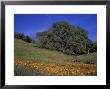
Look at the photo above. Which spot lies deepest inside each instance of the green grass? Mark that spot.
(24, 71)
(29, 51)
(92, 57)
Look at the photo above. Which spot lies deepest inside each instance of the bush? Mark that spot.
(69, 52)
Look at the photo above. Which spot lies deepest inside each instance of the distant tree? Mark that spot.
(28, 39)
(94, 47)
(66, 38)
(89, 46)
(23, 37)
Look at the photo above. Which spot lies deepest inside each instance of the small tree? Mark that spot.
(91, 46)
(28, 39)
(23, 37)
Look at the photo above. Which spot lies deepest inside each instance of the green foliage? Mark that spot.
(91, 46)
(66, 38)
(23, 37)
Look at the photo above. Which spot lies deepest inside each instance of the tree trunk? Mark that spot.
(88, 51)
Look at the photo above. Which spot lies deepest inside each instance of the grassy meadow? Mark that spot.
(32, 61)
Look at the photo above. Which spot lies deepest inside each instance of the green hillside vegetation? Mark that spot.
(61, 50)
(24, 52)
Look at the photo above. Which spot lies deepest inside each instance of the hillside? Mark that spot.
(30, 60)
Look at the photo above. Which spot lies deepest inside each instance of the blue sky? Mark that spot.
(29, 24)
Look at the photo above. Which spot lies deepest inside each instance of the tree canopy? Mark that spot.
(66, 38)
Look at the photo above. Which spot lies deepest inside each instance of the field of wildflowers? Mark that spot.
(58, 70)
(30, 61)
